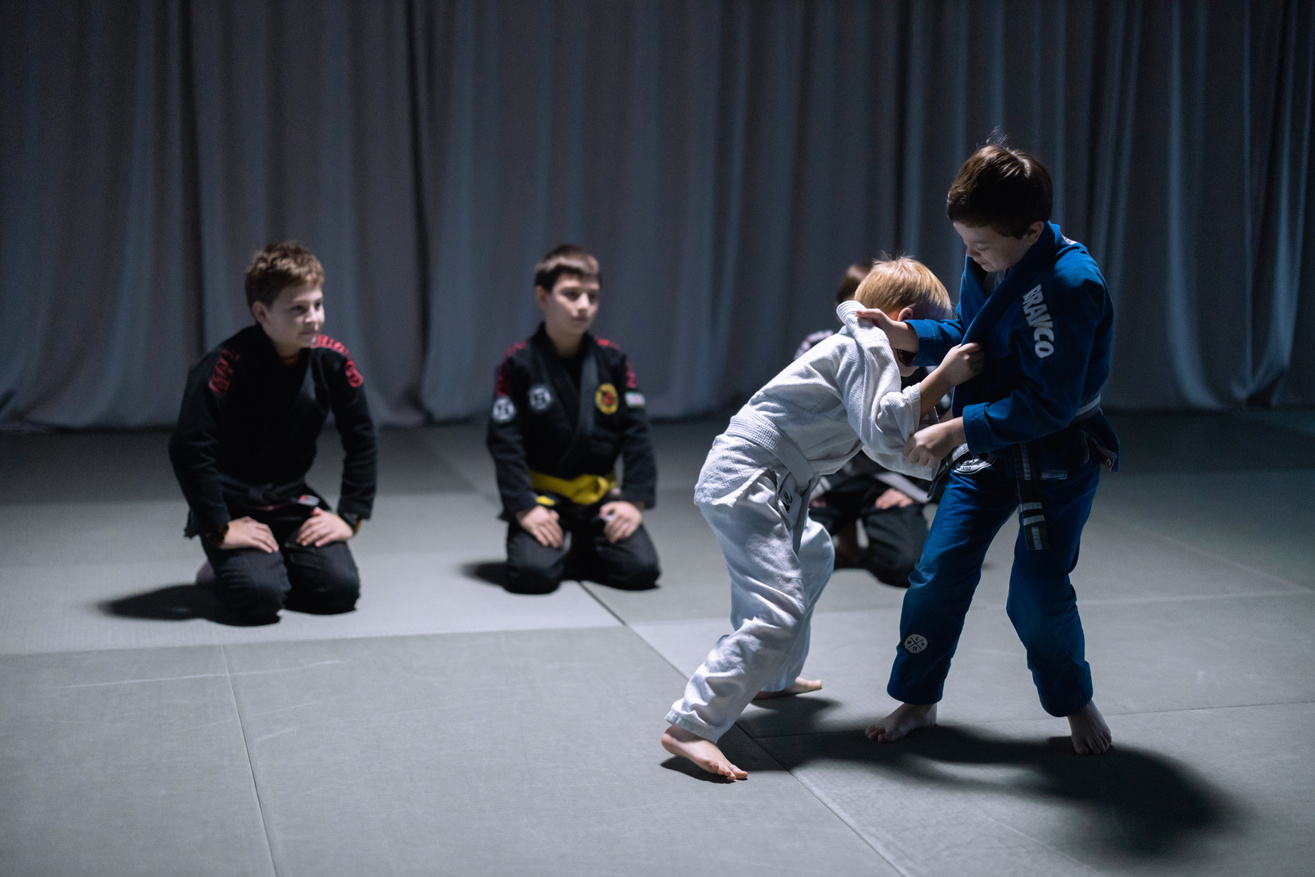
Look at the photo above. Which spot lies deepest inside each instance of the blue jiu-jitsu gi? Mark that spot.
(840, 397)
(1037, 439)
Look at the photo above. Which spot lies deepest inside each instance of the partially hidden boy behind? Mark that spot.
(566, 408)
(888, 504)
(842, 396)
(246, 437)
(1028, 436)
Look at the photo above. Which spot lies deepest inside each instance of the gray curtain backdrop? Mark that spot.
(724, 160)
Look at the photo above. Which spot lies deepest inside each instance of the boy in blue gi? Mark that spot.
(1028, 434)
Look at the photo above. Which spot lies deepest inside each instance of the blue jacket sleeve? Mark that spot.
(935, 338)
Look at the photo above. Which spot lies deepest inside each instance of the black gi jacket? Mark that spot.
(537, 422)
(247, 429)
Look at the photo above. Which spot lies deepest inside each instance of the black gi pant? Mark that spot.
(532, 568)
(258, 583)
(896, 536)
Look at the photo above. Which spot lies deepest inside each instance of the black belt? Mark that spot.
(1031, 511)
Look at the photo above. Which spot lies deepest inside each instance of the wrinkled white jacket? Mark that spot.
(840, 397)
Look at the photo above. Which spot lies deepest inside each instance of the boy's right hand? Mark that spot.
(541, 523)
(248, 533)
(963, 362)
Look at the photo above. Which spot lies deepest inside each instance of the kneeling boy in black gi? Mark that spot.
(251, 414)
(566, 406)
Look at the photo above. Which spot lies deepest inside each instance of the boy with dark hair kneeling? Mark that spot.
(1027, 435)
(246, 437)
(566, 407)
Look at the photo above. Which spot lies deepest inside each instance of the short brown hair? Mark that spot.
(280, 265)
(566, 259)
(854, 275)
(895, 284)
(1001, 188)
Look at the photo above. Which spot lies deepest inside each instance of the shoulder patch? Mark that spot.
(353, 375)
(221, 377)
(504, 410)
(635, 399)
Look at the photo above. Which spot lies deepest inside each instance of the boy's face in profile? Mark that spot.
(993, 251)
(569, 309)
(293, 319)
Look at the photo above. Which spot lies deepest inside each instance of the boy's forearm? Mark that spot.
(931, 389)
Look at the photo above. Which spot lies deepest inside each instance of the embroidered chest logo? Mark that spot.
(1038, 317)
(540, 398)
(606, 399)
(503, 410)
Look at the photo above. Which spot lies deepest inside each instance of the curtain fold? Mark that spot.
(724, 160)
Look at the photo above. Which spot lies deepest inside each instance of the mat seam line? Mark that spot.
(761, 748)
(251, 767)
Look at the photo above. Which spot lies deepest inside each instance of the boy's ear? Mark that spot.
(260, 311)
(1034, 232)
(906, 314)
(541, 295)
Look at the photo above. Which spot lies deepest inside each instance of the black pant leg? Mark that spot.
(324, 580)
(630, 563)
(252, 582)
(532, 568)
(896, 538)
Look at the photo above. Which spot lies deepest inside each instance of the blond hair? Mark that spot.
(895, 284)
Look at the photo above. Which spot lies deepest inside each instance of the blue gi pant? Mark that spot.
(1042, 603)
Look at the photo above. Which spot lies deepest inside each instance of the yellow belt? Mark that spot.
(583, 490)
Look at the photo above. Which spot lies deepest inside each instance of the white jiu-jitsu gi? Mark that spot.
(840, 397)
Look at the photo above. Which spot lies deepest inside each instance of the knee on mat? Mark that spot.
(255, 599)
(638, 577)
(529, 579)
(338, 592)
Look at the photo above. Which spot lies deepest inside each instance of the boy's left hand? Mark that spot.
(927, 446)
(622, 518)
(963, 362)
(322, 528)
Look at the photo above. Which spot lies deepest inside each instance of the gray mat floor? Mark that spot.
(448, 727)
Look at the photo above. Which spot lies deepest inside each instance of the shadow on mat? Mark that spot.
(1138, 803)
(491, 572)
(494, 572)
(175, 603)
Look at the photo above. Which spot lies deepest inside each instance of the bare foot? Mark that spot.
(906, 717)
(1091, 736)
(704, 753)
(799, 686)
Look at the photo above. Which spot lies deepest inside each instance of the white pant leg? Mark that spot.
(817, 560)
(772, 599)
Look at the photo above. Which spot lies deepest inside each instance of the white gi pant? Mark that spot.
(773, 591)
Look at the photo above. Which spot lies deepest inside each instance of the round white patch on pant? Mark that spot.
(913, 643)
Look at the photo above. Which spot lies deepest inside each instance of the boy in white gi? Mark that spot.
(841, 397)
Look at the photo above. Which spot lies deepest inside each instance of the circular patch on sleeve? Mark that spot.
(504, 410)
(540, 398)
(606, 399)
(914, 643)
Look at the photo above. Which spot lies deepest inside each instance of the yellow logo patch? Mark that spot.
(606, 399)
